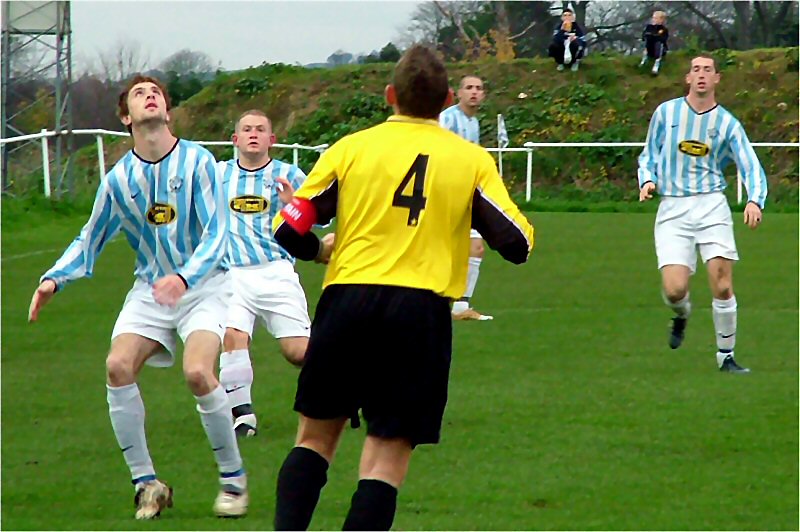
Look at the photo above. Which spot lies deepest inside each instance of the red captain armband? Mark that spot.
(300, 214)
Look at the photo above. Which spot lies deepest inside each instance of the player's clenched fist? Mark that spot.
(40, 298)
(752, 215)
(169, 289)
(646, 192)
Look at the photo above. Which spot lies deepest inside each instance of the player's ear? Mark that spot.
(126, 120)
(234, 138)
(390, 95)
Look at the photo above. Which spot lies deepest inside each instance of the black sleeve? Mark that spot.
(307, 246)
(304, 247)
(325, 203)
(499, 231)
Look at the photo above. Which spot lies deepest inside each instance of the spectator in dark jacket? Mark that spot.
(655, 37)
(568, 43)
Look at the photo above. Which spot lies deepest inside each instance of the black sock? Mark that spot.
(373, 506)
(300, 480)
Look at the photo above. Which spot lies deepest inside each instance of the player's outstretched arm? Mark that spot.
(41, 297)
(79, 258)
(497, 218)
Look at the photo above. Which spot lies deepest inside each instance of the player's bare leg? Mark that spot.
(294, 348)
(305, 471)
(236, 376)
(461, 308)
(723, 311)
(383, 468)
(199, 359)
(675, 291)
(125, 407)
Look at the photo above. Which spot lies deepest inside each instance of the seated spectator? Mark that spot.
(655, 37)
(568, 43)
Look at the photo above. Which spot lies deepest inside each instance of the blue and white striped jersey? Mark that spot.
(454, 119)
(252, 203)
(686, 152)
(171, 211)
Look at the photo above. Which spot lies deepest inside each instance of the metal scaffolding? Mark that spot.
(37, 52)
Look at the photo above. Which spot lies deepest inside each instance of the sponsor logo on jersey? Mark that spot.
(161, 214)
(249, 204)
(695, 148)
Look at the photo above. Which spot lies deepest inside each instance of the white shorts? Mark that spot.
(474, 234)
(201, 308)
(271, 292)
(684, 224)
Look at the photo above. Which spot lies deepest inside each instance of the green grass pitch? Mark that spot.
(568, 411)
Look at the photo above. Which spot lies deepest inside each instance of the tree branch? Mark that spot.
(711, 22)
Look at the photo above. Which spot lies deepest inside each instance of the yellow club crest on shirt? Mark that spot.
(249, 204)
(161, 214)
(695, 148)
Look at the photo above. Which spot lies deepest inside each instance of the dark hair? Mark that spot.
(122, 103)
(567, 10)
(420, 83)
(705, 56)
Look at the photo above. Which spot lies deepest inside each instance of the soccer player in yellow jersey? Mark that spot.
(405, 194)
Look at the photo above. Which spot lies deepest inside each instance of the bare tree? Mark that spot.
(187, 61)
(122, 60)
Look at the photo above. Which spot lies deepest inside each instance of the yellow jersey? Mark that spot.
(405, 194)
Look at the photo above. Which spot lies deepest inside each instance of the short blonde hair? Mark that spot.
(660, 14)
(253, 112)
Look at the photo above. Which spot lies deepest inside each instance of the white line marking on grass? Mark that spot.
(43, 251)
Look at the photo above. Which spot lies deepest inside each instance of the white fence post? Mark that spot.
(101, 156)
(528, 173)
(295, 154)
(46, 163)
(235, 153)
(738, 188)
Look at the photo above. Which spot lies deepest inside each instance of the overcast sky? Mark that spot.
(239, 34)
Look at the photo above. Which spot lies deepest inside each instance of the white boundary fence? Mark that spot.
(528, 148)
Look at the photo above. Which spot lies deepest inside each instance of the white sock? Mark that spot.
(236, 376)
(473, 271)
(681, 308)
(215, 413)
(460, 306)
(126, 409)
(723, 312)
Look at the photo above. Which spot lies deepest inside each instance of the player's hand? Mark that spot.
(168, 290)
(752, 215)
(327, 248)
(285, 190)
(41, 296)
(646, 192)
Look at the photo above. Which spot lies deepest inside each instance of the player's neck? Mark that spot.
(467, 110)
(153, 144)
(257, 162)
(701, 103)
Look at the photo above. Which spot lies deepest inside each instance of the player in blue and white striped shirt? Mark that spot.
(689, 143)
(262, 279)
(165, 196)
(461, 120)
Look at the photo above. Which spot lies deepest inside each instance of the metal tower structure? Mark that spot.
(37, 46)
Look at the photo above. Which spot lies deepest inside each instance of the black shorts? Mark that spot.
(384, 350)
